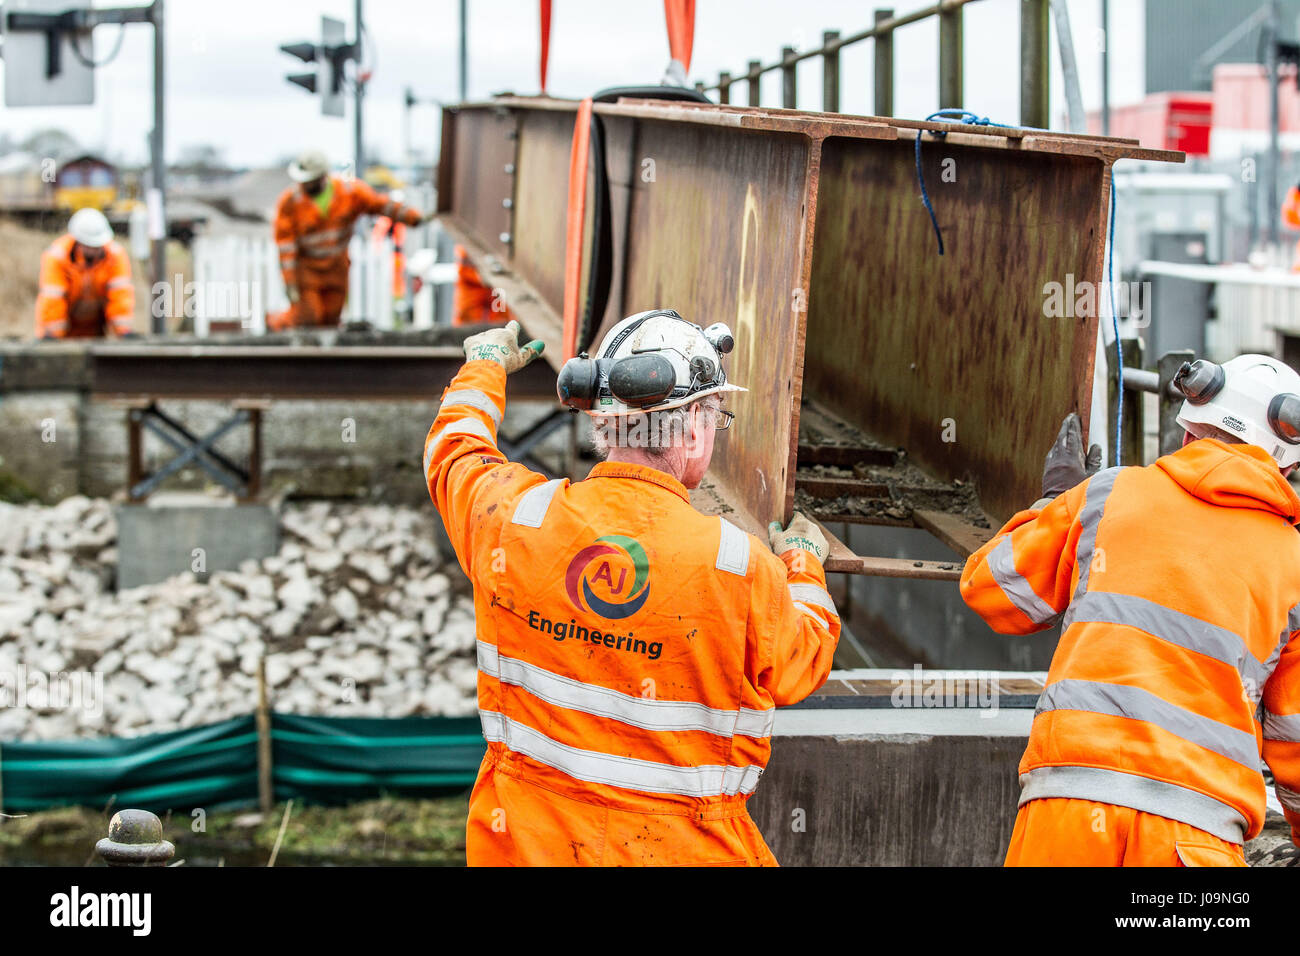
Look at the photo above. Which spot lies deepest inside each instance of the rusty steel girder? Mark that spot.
(805, 232)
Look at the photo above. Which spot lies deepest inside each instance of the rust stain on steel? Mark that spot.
(805, 233)
(541, 201)
(482, 146)
(911, 339)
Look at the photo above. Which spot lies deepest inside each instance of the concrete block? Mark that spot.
(886, 787)
(40, 442)
(177, 532)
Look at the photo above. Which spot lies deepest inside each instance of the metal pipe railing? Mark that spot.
(1034, 60)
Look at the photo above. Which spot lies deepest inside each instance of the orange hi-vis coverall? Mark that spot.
(1178, 589)
(474, 303)
(1291, 216)
(631, 652)
(80, 300)
(313, 247)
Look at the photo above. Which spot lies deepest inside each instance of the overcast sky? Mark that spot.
(226, 87)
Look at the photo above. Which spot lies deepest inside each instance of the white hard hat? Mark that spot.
(310, 164)
(651, 361)
(90, 228)
(397, 196)
(1255, 397)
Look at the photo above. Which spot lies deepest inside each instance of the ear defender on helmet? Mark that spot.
(637, 380)
(578, 383)
(642, 380)
(1284, 417)
(1199, 381)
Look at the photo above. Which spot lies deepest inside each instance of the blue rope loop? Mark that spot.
(963, 116)
(974, 119)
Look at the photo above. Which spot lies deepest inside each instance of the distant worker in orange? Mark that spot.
(388, 228)
(313, 225)
(473, 302)
(85, 282)
(1291, 216)
(1177, 586)
(631, 650)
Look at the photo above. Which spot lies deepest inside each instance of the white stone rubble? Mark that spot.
(357, 615)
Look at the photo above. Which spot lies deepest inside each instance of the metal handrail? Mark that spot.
(1035, 58)
(834, 46)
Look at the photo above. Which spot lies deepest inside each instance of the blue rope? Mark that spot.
(965, 116)
(925, 197)
(1114, 319)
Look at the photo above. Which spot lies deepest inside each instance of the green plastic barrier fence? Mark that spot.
(318, 759)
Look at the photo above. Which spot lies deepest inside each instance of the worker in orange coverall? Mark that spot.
(85, 288)
(313, 225)
(631, 650)
(1291, 216)
(1177, 586)
(474, 303)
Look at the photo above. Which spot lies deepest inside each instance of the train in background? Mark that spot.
(41, 193)
(32, 185)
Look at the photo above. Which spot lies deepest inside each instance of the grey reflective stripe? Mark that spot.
(325, 235)
(287, 246)
(1121, 700)
(474, 399)
(121, 282)
(53, 291)
(1140, 793)
(611, 770)
(1282, 727)
(812, 594)
(733, 548)
(1094, 504)
(325, 252)
(1292, 625)
(658, 715)
(462, 426)
(1288, 798)
(1175, 627)
(1021, 594)
(533, 504)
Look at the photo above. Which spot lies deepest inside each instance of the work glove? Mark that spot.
(413, 217)
(1066, 465)
(502, 346)
(801, 534)
(292, 292)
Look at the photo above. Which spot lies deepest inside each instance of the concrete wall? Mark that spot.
(891, 787)
(333, 449)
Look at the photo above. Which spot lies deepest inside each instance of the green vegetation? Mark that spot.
(14, 490)
(384, 832)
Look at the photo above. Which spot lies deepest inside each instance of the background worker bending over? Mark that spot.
(313, 225)
(85, 283)
(1178, 589)
(631, 650)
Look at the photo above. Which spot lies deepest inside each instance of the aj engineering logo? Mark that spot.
(612, 556)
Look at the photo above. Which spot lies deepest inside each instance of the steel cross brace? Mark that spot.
(191, 448)
(520, 449)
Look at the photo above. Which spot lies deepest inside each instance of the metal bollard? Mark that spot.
(135, 839)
